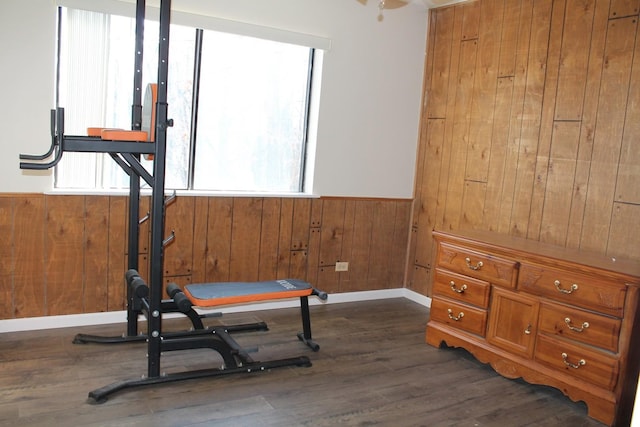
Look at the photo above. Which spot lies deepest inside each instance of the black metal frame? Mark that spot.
(142, 299)
(235, 358)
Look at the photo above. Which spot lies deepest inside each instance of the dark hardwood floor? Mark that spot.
(373, 368)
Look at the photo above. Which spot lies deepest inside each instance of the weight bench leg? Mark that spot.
(305, 335)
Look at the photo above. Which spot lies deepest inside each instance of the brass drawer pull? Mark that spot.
(478, 265)
(452, 317)
(585, 325)
(452, 284)
(581, 362)
(574, 287)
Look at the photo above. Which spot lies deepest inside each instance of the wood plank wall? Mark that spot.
(531, 126)
(68, 254)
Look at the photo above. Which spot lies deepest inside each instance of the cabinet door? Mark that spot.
(513, 321)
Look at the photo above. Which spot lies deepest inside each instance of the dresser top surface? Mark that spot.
(506, 244)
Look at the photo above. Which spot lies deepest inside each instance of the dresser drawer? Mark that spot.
(580, 362)
(461, 288)
(592, 292)
(579, 325)
(459, 316)
(478, 265)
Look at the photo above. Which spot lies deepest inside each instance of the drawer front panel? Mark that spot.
(461, 288)
(579, 325)
(595, 293)
(459, 316)
(580, 362)
(478, 265)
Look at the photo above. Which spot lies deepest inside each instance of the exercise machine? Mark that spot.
(146, 299)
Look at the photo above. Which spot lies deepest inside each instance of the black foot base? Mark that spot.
(309, 342)
(97, 339)
(101, 395)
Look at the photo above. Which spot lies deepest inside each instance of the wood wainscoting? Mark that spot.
(67, 254)
(530, 126)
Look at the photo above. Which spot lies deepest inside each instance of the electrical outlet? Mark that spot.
(342, 266)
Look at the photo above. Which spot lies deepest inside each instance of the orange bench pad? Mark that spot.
(224, 293)
(98, 131)
(124, 135)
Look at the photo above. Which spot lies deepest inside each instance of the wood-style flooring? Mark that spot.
(373, 368)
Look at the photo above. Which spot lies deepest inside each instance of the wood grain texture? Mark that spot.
(499, 154)
(428, 196)
(96, 249)
(7, 210)
(401, 235)
(460, 133)
(454, 55)
(531, 117)
(332, 233)
(607, 140)
(509, 86)
(68, 254)
(373, 368)
(284, 238)
(560, 180)
(541, 169)
(588, 123)
(219, 239)
(574, 59)
(623, 8)
(516, 114)
(540, 128)
(627, 188)
(509, 38)
(179, 221)
(117, 249)
(269, 231)
(441, 30)
(517, 343)
(200, 233)
(484, 90)
(245, 239)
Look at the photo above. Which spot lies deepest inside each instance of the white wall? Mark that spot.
(27, 45)
(369, 107)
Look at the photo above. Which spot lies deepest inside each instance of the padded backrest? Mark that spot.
(149, 111)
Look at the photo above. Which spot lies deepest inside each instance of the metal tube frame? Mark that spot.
(127, 156)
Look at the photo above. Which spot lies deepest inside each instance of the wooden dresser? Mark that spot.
(550, 315)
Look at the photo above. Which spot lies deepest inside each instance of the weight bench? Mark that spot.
(225, 293)
(218, 338)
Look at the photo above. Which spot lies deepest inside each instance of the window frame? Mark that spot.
(303, 183)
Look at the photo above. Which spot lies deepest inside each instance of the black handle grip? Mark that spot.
(320, 294)
(182, 302)
(35, 166)
(130, 274)
(172, 289)
(179, 298)
(42, 166)
(139, 287)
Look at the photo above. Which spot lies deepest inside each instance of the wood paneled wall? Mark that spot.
(531, 126)
(68, 254)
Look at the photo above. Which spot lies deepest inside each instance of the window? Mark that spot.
(239, 104)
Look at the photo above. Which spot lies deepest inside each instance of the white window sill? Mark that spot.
(198, 193)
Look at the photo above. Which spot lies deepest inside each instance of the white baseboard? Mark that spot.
(416, 297)
(90, 319)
